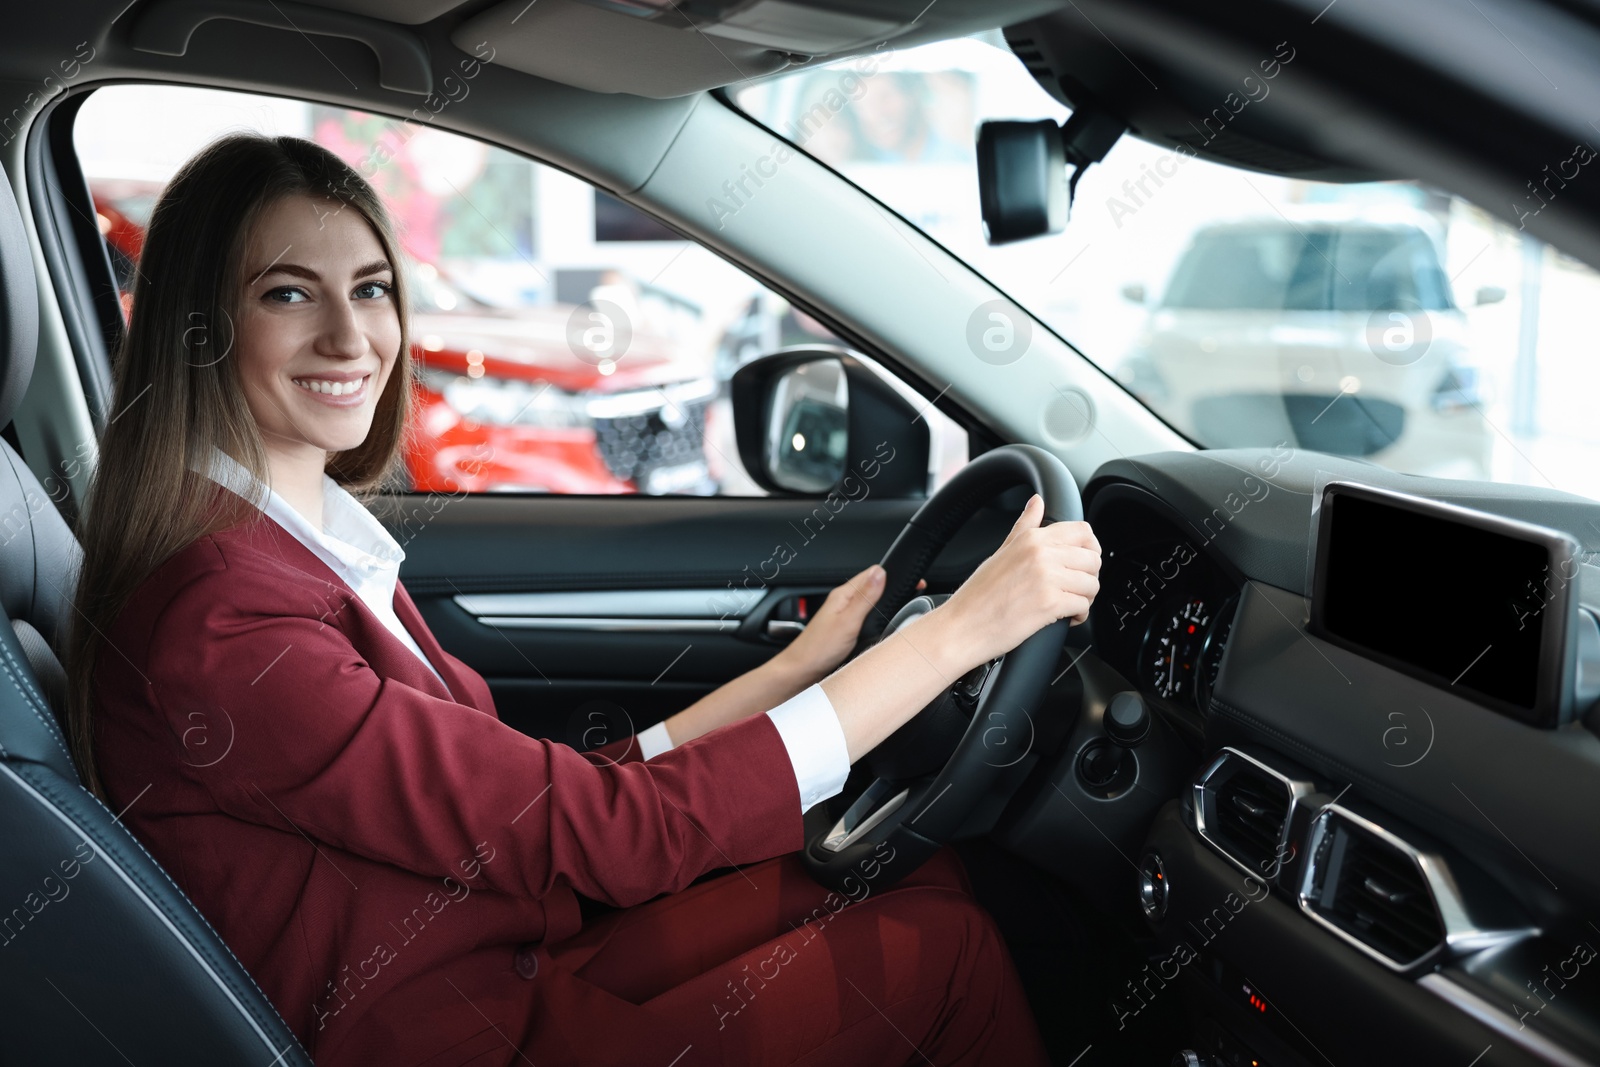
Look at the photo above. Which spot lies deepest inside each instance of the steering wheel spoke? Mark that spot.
(933, 772)
(875, 804)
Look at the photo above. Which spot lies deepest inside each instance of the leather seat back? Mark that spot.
(102, 957)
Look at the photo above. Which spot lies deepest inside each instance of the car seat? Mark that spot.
(103, 960)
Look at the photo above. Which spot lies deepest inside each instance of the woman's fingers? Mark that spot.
(1078, 558)
(1038, 575)
(1073, 533)
(1079, 584)
(858, 594)
(1032, 514)
(1066, 571)
(836, 626)
(868, 586)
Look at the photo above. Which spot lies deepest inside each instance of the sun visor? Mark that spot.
(666, 48)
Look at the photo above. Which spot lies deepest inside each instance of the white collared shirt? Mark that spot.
(356, 547)
(353, 543)
(811, 734)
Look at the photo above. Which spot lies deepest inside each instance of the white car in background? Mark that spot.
(1331, 332)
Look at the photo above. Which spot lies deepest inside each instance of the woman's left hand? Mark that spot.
(827, 639)
(831, 633)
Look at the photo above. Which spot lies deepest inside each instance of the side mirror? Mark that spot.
(1490, 294)
(1134, 292)
(808, 433)
(813, 419)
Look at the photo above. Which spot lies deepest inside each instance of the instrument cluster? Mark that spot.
(1182, 650)
(1165, 605)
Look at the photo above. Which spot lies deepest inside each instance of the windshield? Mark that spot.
(1385, 320)
(1279, 268)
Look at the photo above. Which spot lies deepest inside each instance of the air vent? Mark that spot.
(1369, 885)
(1242, 809)
(1252, 809)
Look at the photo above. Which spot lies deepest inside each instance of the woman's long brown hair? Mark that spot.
(177, 391)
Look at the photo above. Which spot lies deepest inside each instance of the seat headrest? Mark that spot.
(19, 305)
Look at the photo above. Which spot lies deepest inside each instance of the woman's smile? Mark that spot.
(320, 334)
(341, 390)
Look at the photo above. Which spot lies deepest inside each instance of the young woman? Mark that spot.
(255, 693)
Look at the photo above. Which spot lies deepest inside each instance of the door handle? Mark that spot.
(784, 613)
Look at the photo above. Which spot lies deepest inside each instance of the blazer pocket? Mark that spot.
(473, 1050)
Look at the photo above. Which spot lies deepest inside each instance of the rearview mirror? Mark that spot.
(1133, 292)
(1022, 181)
(1023, 184)
(1490, 294)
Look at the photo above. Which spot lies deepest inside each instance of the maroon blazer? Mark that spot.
(378, 851)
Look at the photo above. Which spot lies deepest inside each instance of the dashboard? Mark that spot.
(1166, 603)
(1387, 842)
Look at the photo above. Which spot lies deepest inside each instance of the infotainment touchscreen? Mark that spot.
(1472, 602)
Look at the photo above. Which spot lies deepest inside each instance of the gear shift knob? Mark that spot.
(1127, 720)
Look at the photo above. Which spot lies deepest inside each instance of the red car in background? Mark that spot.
(507, 398)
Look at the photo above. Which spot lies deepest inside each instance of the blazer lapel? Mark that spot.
(420, 632)
(289, 549)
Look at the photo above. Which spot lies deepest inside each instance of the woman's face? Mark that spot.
(319, 331)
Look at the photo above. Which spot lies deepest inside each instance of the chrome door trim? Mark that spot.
(615, 610)
(632, 625)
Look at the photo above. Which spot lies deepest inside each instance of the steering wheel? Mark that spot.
(933, 771)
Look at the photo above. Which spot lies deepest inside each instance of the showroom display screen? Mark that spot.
(1466, 600)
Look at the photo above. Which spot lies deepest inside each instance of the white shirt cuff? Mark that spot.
(653, 741)
(815, 742)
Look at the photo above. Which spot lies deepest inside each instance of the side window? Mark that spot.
(565, 342)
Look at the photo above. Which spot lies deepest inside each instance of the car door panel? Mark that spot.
(637, 603)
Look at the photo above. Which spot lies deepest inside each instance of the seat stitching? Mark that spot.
(32, 691)
(111, 845)
(35, 701)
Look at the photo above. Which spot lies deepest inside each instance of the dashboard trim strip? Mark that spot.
(1481, 1011)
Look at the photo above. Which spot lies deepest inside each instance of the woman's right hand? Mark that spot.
(1038, 575)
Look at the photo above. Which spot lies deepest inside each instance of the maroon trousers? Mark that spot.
(763, 966)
